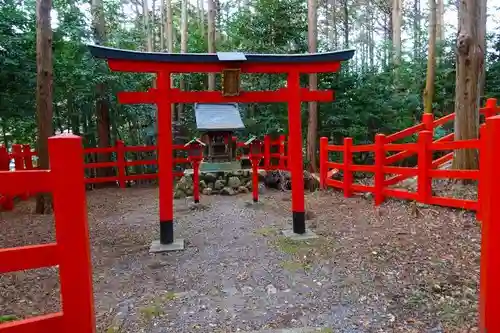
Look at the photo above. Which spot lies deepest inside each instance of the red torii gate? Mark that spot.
(228, 63)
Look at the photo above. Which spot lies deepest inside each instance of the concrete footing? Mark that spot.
(157, 247)
(299, 237)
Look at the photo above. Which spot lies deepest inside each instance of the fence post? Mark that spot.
(28, 157)
(482, 164)
(267, 151)
(282, 152)
(424, 166)
(323, 160)
(8, 203)
(490, 107)
(379, 168)
(17, 151)
(120, 163)
(428, 120)
(4, 159)
(72, 235)
(347, 167)
(489, 288)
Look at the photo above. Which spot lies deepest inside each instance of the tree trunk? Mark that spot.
(170, 41)
(371, 41)
(431, 60)
(162, 25)
(169, 27)
(102, 102)
(152, 26)
(147, 29)
(470, 62)
(440, 21)
(201, 18)
(211, 40)
(312, 125)
(332, 32)
(184, 44)
(396, 31)
(416, 29)
(482, 44)
(44, 93)
(345, 8)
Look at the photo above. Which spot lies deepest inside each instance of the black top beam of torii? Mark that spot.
(227, 63)
(311, 58)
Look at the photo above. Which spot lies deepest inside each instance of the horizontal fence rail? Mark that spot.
(387, 153)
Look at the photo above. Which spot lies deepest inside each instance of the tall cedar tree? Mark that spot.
(312, 125)
(431, 60)
(43, 92)
(470, 62)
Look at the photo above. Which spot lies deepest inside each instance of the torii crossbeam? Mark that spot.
(164, 64)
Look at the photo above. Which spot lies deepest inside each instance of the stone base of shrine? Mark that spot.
(221, 182)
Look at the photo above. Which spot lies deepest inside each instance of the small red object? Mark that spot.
(195, 152)
(255, 157)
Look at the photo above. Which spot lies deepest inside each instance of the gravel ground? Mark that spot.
(396, 268)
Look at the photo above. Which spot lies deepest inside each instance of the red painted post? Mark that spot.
(428, 120)
(196, 181)
(489, 294)
(323, 159)
(195, 157)
(267, 152)
(491, 107)
(4, 159)
(282, 152)
(8, 202)
(379, 169)
(120, 163)
(295, 161)
(165, 159)
(17, 151)
(347, 167)
(482, 164)
(28, 157)
(72, 234)
(424, 166)
(255, 155)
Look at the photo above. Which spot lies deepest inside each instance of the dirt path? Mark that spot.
(372, 270)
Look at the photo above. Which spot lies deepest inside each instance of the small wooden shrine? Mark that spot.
(218, 122)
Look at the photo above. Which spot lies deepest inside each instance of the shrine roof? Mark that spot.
(218, 117)
(120, 54)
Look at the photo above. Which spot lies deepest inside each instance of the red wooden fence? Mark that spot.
(70, 251)
(387, 153)
(23, 160)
